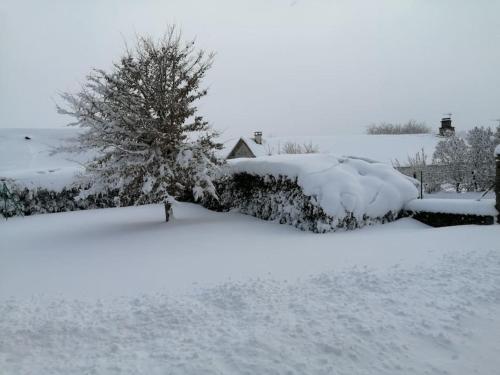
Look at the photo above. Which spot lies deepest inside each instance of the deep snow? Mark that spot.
(118, 291)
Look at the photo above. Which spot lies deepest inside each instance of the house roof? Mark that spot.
(383, 148)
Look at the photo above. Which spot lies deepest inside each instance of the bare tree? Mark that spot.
(410, 127)
(296, 148)
(453, 153)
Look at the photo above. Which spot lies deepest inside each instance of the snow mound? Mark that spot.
(341, 185)
(485, 207)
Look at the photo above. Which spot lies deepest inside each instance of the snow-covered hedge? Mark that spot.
(40, 200)
(316, 192)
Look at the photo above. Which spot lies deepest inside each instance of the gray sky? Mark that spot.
(287, 67)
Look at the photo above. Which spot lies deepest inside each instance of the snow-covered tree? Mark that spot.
(482, 145)
(142, 119)
(453, 153)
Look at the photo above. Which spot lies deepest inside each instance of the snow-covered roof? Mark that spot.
(340, 185)
(383, 148)
(26, 156)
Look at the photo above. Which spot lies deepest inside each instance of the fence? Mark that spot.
(460, 177)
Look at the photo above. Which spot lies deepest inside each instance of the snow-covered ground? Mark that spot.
(118, 291)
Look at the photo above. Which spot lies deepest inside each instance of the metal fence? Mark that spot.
(463, 177)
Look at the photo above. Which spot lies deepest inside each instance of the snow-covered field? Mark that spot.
(118, 291)
(32, 162)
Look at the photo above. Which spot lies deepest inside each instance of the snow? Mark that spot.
(120, 291)
(485, 207)
(30, 162)
(340, 185)
(383, 148)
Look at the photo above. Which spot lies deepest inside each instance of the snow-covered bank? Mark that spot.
(120, 291)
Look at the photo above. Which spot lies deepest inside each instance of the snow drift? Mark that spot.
(318, 192)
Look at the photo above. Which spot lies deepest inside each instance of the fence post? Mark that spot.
(497, 182)
(421, 184)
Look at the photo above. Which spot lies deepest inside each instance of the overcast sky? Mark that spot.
(286, 67)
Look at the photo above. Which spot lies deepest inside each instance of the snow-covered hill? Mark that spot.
(26, 155)
(31, 162)
(119, 291)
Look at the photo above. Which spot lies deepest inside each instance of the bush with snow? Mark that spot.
(317, 192)
(24, 200)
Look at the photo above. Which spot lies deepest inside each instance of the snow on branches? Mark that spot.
(142, 119)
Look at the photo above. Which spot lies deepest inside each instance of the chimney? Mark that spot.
(446, 130)
(257, 136)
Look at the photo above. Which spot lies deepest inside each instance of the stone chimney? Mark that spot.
(257, 136)
(446, 130)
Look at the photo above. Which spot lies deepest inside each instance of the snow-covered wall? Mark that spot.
(484, 207)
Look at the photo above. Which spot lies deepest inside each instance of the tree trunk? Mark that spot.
(168, 210)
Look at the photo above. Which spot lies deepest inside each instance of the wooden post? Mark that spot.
(497, 184)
